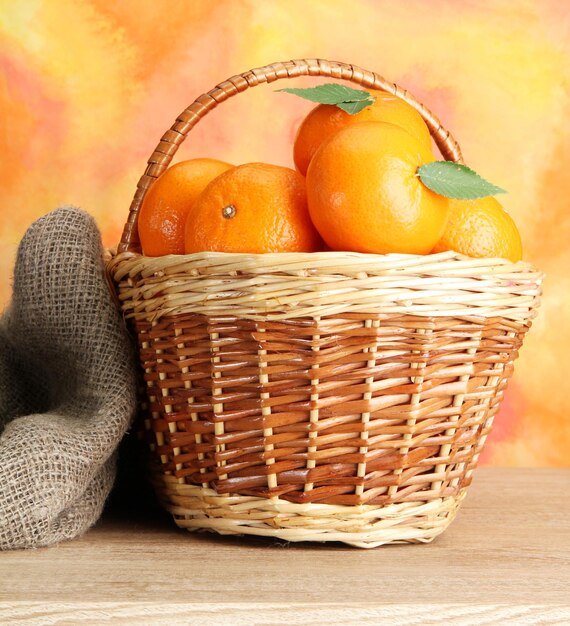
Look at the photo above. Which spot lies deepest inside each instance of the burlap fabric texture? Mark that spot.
(67, 384)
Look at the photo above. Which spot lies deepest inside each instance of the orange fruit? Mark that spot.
(365, 196)
(481, 228)
(254, 208)
(162, 216)
(326, 119)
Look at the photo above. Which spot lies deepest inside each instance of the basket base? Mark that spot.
(198, 508)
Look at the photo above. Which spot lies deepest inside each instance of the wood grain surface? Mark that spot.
(504, 560)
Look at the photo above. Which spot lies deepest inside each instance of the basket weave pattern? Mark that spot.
(344, 410)
(335, 379)
(331, 396)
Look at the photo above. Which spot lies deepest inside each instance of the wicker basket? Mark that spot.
(327, 396)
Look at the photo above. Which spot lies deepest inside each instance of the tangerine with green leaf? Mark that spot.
(365, 195)
(326, 119)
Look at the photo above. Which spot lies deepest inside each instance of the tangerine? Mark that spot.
(481, 228)
(162, 215)
(364, 194)
(256, 208)
(326, 119)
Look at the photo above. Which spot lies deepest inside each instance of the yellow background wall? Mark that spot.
(87, 87)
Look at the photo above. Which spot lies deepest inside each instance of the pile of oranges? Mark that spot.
(355, 188)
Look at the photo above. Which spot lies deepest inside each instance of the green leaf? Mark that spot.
(354, 107)
(350, 100)
(454, 180)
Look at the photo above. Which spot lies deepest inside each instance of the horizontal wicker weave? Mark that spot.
(326, 396)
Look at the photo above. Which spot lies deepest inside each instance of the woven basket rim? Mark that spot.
(115, 259)
(285, 285)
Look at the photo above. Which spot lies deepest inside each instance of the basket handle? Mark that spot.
(171, 140)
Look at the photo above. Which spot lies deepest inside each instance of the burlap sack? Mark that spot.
(67, 387)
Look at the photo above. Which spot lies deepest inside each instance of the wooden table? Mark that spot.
(504, 560)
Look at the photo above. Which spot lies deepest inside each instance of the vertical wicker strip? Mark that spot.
(327, 396)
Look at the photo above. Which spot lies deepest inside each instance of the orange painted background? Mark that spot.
(87, 88)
